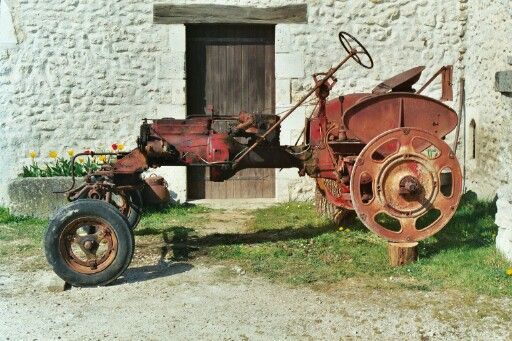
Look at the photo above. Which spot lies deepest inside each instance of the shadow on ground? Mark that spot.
(182, 241)
(471, 227)
(149, 272)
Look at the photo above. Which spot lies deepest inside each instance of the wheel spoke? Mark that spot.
(408, 226)
(100, 235)
(443, 161)
(441, 202)
(406, 143)
(75, 239)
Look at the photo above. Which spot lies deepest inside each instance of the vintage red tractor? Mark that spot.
(381, 154)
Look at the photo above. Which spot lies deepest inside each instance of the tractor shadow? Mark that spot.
(182, 243)
(149, 272)
(471, 227)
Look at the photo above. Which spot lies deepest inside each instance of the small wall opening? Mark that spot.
(472, 139)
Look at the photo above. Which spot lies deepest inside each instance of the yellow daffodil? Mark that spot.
(53, 154)
(509, 271)
(32, 154)
(71, 152)
(120, 146)
(102, 158)
(81, 159)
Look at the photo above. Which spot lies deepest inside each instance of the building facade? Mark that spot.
(82, 74)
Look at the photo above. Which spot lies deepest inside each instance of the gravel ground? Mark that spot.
(194, 301)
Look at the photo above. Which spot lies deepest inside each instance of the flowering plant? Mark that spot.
(61, 166)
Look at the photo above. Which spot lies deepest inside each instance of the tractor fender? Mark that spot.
(374, 115)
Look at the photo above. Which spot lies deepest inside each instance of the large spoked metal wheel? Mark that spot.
(406, 185)
(89, 243)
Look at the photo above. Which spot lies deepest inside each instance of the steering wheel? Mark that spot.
(346, 39)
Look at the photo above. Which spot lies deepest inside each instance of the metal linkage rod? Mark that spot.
(328, 75)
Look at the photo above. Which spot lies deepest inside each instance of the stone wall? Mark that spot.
(84, 73)
(489, 113)
(504, 221)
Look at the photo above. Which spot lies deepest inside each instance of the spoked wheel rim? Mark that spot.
(405, 184)
(88, 245)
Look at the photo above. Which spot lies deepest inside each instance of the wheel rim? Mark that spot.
(88, 245)
(118, 199)
(121, 201)
(405, 184)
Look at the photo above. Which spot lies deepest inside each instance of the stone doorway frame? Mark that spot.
(289, 65)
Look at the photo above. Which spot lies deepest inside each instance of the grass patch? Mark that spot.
(289, 242)
(293, 244)
(158, 221)
(19, 236)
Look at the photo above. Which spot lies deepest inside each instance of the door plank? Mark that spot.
(237, 73)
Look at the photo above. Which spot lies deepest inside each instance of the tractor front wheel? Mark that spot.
(89, 243)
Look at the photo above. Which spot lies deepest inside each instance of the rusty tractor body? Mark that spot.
(379, 153)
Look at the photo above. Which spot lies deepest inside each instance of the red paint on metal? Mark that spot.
(377, 114)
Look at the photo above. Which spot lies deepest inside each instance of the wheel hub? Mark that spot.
(409, 185)
(406, 184)
(88, 245)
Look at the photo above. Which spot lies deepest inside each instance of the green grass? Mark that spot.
(22, 237)
(19, 236)
(290, 243)
(158, 221)
(293, 245)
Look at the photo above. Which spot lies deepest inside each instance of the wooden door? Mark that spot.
(232, 68)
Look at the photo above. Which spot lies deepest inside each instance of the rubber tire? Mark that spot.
(78, 209)
(135, 212)
(325, 208)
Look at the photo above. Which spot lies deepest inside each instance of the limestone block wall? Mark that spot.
(489, 113)
(504, 221)
(84, 74)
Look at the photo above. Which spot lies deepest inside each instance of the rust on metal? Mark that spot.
(336, 192)
(405, 185)
(402, 82)
(88, 245)
(446, 73)
(374, 142)
(395, 110)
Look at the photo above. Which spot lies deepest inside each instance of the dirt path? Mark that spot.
(193, 301)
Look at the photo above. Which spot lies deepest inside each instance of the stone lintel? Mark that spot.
(225, 14)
